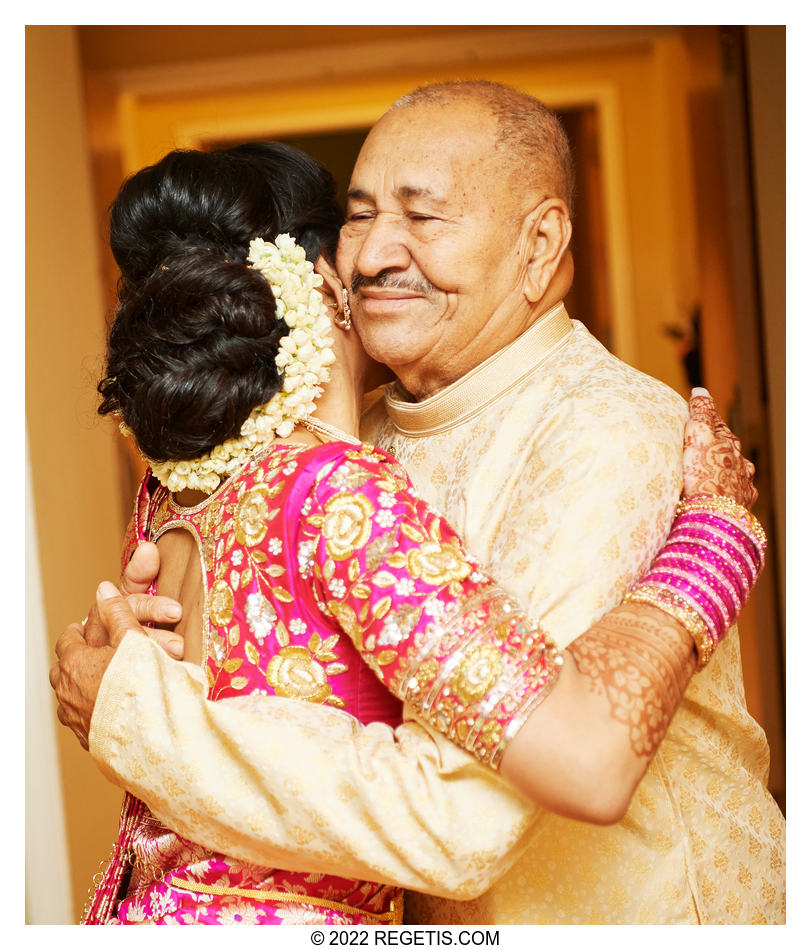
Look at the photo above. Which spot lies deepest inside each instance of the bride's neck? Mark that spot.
(342, 400)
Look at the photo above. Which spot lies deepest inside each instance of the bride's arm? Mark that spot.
(579, 729)
(585, 749)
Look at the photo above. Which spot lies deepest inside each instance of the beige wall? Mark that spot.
(48, 890)
(74, 470)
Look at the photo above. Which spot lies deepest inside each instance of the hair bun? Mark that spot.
(191, 353)
(172, 207)
(196, 291)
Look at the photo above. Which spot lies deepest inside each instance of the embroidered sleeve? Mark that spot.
(436, 630)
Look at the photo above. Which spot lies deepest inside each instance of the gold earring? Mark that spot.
(344, 321)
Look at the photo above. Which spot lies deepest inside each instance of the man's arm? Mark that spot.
(277, 782)
(240, 776)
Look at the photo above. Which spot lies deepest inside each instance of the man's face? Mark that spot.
(431, 251)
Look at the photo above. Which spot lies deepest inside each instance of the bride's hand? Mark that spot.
(713, 463)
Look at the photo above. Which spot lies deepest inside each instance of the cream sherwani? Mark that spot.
(561, 467)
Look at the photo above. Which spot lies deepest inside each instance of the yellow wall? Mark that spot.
(73, 462)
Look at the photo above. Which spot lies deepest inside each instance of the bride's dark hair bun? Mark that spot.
(193, 345)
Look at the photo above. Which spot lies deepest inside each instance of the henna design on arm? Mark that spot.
(641, 661)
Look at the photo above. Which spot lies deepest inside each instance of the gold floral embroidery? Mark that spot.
(296, 673)
(348, 620)
(251, 516)
(478, 671)
(221, 606)
(437, 562)
(347, 524)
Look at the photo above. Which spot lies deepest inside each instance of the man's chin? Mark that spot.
(391, 350)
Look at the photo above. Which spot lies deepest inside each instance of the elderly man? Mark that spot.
(561, 468)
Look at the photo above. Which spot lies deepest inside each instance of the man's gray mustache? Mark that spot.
(391, 282)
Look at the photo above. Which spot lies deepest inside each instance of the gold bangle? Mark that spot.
(721, 504)
(683, 613)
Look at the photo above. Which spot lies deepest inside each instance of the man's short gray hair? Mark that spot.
(530, 135)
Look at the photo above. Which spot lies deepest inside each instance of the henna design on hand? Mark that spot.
(713, 463)
(641, 660)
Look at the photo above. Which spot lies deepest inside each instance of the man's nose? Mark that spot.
(384, 247)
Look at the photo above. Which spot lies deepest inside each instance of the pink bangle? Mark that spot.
(724, 529)
(704, 573)
(711, 558)
(721, 544)
(725, 512)
(693, 588)
(718, 581)
(729, 509)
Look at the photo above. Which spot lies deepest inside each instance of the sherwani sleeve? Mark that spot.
(283, 783)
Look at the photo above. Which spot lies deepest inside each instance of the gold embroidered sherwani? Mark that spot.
(560, 467)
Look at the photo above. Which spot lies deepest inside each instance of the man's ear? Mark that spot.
(332, 283)
(549, 230)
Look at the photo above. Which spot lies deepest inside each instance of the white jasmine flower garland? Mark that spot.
(304, 357)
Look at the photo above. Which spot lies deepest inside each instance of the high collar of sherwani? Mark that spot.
(478, 388)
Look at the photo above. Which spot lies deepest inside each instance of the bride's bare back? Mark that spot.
(181, 577)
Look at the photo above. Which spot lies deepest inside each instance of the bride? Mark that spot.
(306, 566)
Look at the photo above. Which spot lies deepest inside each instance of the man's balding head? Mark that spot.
(529, 137)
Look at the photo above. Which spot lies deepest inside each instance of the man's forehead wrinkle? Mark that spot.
(358, 194)
(420, 191)
(404, 193)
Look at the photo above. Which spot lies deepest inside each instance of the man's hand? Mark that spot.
(84, 651)
(713, 463)
(77, 676)
(135, 582)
